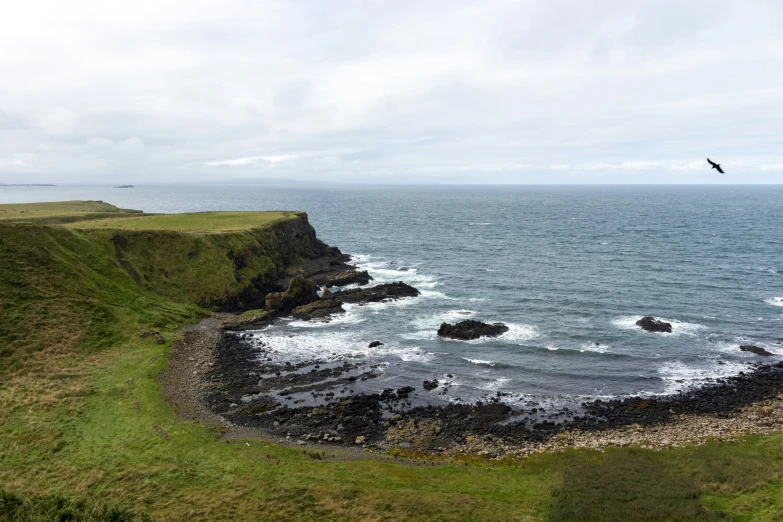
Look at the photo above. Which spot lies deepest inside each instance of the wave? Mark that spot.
(480, 224)
(479, 361)
(678, 327)
(733, 347)
(774, 301)
(594, 347)
(679, 376)
(383, 271)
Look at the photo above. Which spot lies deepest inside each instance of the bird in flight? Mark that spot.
(715, 166)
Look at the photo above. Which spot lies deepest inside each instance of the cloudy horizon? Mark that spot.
(391, 92)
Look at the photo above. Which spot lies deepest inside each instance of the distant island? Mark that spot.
(124, 186)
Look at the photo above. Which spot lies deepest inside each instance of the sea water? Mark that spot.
(569, 269)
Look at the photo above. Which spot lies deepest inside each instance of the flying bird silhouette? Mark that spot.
(715, 166)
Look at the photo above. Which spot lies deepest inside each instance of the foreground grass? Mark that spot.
(117, 441)
(198, 222)
(82, 416)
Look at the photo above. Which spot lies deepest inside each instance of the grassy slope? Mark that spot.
(61, 211)
(81, 412)
(199, 222)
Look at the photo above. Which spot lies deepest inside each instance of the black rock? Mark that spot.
(385, 292)
(431, 385)
(349, 277)
(758, 350)
(375, 344)
(470, 329)
(651, 324)
(320, 309)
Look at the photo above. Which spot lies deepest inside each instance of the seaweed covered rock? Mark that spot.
(758, 350)
(651, 324)
(385, 292)
(470, 329)
(349, 277)
(301, 291)
(318, 309)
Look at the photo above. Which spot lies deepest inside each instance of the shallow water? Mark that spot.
(569, 269)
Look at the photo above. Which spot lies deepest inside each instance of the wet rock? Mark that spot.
(385, 292)
(301, 291)
(349, 277)
(470, 329)
(375, 344)
(430, 385)
(651, 324)
(758, 350)
(318, 309)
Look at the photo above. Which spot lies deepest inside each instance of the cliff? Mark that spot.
(65, 289)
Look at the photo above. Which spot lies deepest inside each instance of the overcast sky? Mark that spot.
(384, 92)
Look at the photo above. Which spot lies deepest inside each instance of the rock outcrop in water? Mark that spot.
(470, 329)
(375, 294)
(349, 277)
(318, 309)
(758, 350)
(301, 291)
(651, 324)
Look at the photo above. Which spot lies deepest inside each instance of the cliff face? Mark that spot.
(226, 271)
(64, 289)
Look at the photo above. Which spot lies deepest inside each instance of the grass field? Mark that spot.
(197, 222)
(82, 417)
(60, 208)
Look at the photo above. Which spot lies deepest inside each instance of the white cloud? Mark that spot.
(15, 161)
(441, 91)
(252, 160)
(59, 121)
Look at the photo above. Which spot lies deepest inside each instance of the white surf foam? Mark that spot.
(479, 361)
(384, 272)
(304, 347)
(678, 327)
(480, 224)
(774, 301)
(733, 348)
(593, 347)
(679, 376)
(494, 384)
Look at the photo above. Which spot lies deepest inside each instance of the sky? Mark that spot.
(543, 91)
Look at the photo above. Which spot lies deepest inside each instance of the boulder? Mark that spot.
(318, 309)
(758, 350)
(375, 344)
(300, 291)
(349, 277)
(385, 292)
(470, 329)
(274, 301)
(651, 324)
(430, 385)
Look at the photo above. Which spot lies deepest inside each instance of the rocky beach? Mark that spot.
(232, 380)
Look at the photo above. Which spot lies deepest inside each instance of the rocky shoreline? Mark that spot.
(236, 383)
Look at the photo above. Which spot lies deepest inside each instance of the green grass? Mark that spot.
(82, 415)
(60, 208)
(197, 222)
(61, 212)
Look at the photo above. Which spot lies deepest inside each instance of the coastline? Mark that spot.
(204, 375)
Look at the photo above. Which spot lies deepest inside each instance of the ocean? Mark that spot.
(568, 268)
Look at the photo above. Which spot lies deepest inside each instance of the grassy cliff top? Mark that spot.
(198, 222)
(59, 209)
(100, 215)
